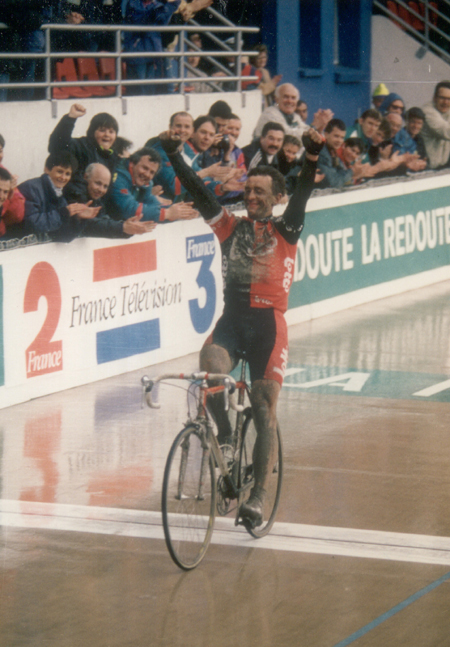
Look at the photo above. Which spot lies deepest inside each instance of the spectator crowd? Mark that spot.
(94, 186)
(21, 33)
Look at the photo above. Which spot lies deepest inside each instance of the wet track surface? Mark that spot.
(361, 551)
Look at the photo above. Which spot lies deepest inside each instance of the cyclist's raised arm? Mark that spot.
(294, 215)
(203, 199)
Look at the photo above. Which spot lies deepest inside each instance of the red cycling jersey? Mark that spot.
(258, 261)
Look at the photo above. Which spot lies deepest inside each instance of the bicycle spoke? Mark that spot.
(188, 499)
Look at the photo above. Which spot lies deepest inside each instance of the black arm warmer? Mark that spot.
(291, 223)
(204, 200)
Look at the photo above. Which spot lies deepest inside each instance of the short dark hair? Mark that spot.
(220, 109)
(204, 119)
(102, 120)
(271, 125)
(300, 102)
(121, 145)
(372, 113)
(415, 113)
(2, 141)
(61, 158)
(5, 175)
(145, 152)
(181, 113)
(442, 84)
(334, 123)
(291, 139)
(355, 141)
(385, 128)
(233, 116)
(278, 183)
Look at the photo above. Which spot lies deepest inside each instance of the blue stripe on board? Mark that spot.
(127, 341)
(385, 616)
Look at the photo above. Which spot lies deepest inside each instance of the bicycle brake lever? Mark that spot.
(226, 393)
(147, 386)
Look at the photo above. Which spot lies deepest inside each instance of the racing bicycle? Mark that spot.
(202, 478)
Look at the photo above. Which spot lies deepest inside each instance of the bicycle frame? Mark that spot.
(203, 423)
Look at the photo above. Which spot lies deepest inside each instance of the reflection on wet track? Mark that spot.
(363, 524)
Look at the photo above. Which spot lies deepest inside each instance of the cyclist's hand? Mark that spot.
(171, 142)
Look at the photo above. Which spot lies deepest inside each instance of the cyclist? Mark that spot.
(258, 260)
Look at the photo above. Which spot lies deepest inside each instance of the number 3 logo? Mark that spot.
(44, 355)
(202, 248)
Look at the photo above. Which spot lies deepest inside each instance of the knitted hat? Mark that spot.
(380, 91)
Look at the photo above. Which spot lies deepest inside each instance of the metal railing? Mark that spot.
(430, 30)
(186, 49)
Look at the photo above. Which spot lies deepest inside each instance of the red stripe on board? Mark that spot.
(124, 260)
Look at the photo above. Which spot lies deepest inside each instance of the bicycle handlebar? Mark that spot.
(229, 386)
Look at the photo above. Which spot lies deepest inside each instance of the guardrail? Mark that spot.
(186, 49)
(406, 16)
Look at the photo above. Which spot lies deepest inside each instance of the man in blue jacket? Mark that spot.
(46, 209)
(217, 179)
(132, 191)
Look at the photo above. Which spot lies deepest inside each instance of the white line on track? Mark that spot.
(292, 537)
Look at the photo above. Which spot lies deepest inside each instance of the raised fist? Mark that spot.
(77, 110)
(313, 141)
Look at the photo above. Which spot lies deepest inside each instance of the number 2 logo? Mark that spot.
(44, 355)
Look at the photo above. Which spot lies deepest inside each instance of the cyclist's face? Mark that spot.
(258, 197)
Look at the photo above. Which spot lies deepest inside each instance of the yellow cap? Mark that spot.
(380, 91)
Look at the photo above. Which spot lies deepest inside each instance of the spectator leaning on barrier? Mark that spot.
(96, 146)
(205, 130)
(415, 120)
(234, 158)
(401, 141)
(97, 179)
(181, 124)
(436, 129)
(288, 163)
(365, 127)
(329, 163)
(404, 145)
(46, 209)
(392, 103)
(264, 151)
(302, 110)
(12, 205)
(132, 191)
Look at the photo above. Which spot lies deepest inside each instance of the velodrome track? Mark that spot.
(361, 551)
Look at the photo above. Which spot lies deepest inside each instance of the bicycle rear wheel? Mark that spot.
(246, 476)
(188, 498)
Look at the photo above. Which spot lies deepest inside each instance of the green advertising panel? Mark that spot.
(346, 248)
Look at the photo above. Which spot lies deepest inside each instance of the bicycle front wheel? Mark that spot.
(246, 475)
(188, 498)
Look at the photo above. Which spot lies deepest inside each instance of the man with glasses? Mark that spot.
(436, 129)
